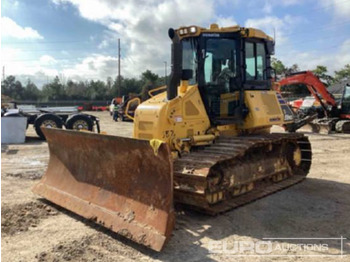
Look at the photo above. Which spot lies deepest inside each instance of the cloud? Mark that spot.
(10, 5)
(267, 6)
(39, 78)
(309, 60)
(103, 44)
(340, 8)
(8, 54)
(274, 25)
(291, 53)
(226, 21)
(47, 60)
(17, 62)
(9, 28)
(143, 27)
(93, 67)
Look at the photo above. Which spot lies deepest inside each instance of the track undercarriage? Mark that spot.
(235, 171)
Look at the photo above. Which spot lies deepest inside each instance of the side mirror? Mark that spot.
(270, 46)
(171, 33)
(187, 74)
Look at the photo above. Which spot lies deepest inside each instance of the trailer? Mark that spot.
(53, 117)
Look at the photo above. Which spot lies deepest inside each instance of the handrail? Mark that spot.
(128, 105)
(155, 89)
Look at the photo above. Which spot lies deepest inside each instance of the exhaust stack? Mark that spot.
(176, 64)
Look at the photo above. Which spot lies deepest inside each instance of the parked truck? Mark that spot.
(52, 117)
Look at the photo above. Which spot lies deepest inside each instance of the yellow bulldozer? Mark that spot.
(204, 142)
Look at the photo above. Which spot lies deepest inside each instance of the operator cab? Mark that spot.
(345, 103)
(224, 63)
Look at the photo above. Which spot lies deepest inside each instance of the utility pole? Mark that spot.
(3, 73)
(165, 76)
(119, 77)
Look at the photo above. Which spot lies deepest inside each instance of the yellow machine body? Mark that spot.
(183, 122)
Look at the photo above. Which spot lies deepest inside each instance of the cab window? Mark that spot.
(250, 61)
(260, 61)
(255, 59)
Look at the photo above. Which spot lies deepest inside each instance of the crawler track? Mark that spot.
(236, 171)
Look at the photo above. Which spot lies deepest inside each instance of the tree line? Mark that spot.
(320, 71)
(56, 90)
(105, 90)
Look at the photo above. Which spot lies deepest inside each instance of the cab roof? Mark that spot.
(246, 32)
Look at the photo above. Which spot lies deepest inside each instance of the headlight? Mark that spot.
(193, 29)
(185, 31)
(181, 31)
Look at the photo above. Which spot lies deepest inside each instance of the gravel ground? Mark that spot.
(36, 230)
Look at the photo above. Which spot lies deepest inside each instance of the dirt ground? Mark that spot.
(36, 230)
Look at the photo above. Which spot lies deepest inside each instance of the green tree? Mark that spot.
(31, 91)
(131, 86)
(115, 86)
(149, 76)
(321, 72)
(144, 92)
(97, 90)
(76, 90)
(161, 81)
(54, 90)
(12, 88)
(109, 85)
(293, 69)
(343, 74)
(7, 84)
(279, 67)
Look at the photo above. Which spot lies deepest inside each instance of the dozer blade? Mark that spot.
(118, 182)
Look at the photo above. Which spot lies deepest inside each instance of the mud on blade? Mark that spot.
(118, 182)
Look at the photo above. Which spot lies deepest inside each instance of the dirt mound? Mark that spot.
(97, 247)
(19, 218)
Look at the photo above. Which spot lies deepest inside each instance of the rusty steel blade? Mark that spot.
(118, 182)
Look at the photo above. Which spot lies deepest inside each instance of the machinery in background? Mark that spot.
(204, 143)
(52, 117)
(325, 112)
(125, 109)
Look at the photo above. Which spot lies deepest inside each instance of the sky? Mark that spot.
(78, 39)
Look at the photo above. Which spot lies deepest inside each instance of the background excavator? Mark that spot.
(329, 115)
(205, 142)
